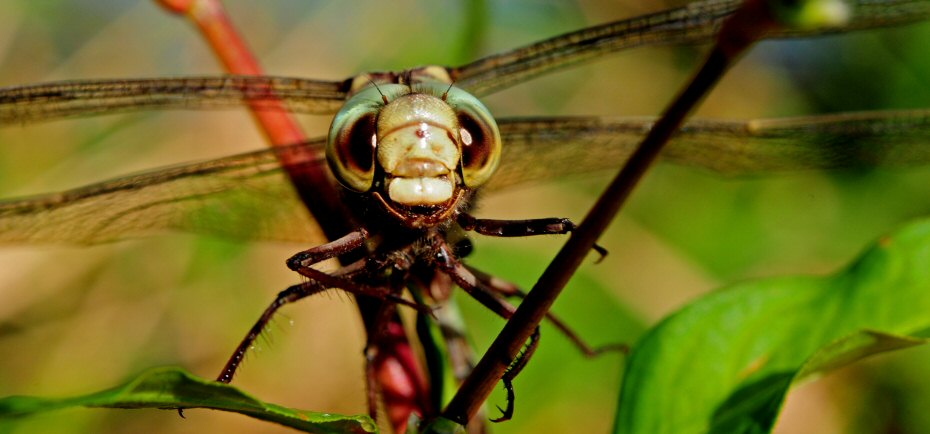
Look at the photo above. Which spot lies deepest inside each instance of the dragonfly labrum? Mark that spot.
(250, 194)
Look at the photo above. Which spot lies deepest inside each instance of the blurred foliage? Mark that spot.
(738, 350)
(173, 388)
(80, 319)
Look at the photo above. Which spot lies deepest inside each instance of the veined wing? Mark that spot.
(693, 23)
(48, 101)
(248, 195)
(545, 148)
(696, 22)
(242, 196)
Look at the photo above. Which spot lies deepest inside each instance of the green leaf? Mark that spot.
(171, 388)
(442, 426)
(724, 363)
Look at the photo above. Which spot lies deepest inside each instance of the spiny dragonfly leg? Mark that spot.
(451, 266)
(518, 364)
(289, 295)
(522, 228)
(385, 329)
(457, 354)
(353, 240)
(515, 228)
(318, 281)
(303, 263)
(509, 289)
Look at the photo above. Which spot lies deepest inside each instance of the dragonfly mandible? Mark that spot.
(240, 180)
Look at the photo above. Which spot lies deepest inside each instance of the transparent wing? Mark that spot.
(693, 23)
(243, 196)
(47, 101)
(537, 149)
(249, 196)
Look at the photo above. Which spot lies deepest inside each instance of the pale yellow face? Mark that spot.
(423, 143)
(418, 149)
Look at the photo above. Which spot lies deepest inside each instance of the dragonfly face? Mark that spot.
(416, 149)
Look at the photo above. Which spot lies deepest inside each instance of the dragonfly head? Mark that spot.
(417, 148)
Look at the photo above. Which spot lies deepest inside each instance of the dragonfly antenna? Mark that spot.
(383, 97)
(446, 93)
(407, 78)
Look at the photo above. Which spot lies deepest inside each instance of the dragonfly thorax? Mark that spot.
(417, 150)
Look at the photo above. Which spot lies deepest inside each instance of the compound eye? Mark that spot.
(480, 143)
(351, 148)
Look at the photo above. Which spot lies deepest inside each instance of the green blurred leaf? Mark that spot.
(811, 14)
(724, 363)
(443, 426)
(171, 388)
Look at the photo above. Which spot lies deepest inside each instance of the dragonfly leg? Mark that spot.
(289, 295)
(518, 364)
(515, 228)
(385, 329)
(509, 289)
(313, 255)
(522, 228)
(298, 292)
(490, 299)
(487, 290)
(318, 282)
(303, 263)
(356, 288)
(457, 355)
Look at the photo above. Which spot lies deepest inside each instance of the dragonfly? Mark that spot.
(187, 197)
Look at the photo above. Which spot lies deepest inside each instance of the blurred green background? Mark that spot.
(79, 319)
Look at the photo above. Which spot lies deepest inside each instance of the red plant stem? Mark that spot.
(211, 19)
(737, 34)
